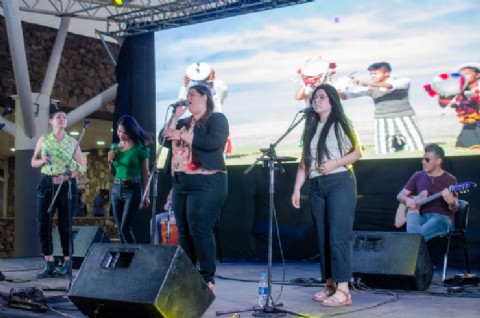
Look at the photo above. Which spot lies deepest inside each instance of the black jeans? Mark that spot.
(197, 200)
(45, 192)
(333, 199)
(126, 199)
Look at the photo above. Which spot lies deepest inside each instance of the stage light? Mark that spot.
(120, 3)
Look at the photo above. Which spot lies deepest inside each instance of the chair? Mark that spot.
(461, 224)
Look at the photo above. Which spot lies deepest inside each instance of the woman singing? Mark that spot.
(330, 146)
(199, 177)
(53, 153)
(129, 160)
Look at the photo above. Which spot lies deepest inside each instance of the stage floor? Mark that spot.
(237, 285)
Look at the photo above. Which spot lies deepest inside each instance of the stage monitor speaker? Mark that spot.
(83, 238)
(139, 280)
(395, 260)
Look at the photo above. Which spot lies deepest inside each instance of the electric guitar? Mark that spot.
(423, 198)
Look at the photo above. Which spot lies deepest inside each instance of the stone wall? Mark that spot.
(6, 237)
(98, 175)
(85, 68)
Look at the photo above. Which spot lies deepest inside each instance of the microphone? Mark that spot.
(180, 103)
(86, 122)
(113, 147)
(48, 154)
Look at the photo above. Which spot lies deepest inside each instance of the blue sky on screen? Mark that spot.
(258, 54)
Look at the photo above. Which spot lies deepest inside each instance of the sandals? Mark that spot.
(327, 292)
(333, 301)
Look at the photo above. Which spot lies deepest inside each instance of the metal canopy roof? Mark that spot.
(140, 16)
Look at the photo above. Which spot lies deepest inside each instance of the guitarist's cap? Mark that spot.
(435, 148)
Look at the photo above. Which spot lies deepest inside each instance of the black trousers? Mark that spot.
(197, 200)
(45, 193)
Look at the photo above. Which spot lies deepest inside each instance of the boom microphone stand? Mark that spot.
(68, 173)
(269, 158)
(153, 177)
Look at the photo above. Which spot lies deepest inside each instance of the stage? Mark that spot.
(237, 284)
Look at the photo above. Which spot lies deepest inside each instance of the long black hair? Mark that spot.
(134, 131)
(204, 91)
(336, 117)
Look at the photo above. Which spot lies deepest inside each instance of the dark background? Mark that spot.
(243, 227)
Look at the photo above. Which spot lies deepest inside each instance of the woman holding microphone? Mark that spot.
(199, 174)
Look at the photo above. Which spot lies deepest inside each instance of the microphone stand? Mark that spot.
(169, 222)
(68, 173)
(269, 157)
(153, 177)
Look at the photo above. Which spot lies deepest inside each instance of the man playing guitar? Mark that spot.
(436, 217)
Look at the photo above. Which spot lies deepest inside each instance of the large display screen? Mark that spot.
(260, 57)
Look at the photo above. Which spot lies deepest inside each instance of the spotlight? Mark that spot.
(120, 3)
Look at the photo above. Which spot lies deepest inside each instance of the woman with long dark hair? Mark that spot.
(199, 176)
(52, 154)
(330, 146)
(129, 161)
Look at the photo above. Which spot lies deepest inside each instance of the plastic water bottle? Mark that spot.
(263, 290)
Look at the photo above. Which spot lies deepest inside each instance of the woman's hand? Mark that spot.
(111, 155)
(45, 160)
(59, 179)
(296, 199)
(172, 134)
(146, 202)
(180, 110)
(327, 166)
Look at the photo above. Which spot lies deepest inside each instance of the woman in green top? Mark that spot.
(52, 153)
(129, 160)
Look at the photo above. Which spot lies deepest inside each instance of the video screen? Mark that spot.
(262, 60)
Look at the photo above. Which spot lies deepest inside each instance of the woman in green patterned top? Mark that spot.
(129, 160)
(52, 154)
